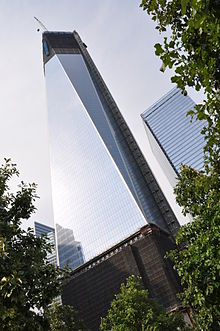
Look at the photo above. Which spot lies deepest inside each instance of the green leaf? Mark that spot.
(159, 49)
(183, 6)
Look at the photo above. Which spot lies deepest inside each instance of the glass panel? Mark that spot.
(90, 196)
(46, 48)
(97, 109)
(180, 138)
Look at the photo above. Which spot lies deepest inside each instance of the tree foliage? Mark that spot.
(28, 283)
(64, 318)
(192, 47)
(198, 261)
(133, 310)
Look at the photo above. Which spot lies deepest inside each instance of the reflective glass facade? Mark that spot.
(180, 139)
(42, 229)
(100, 192)
(69, 250)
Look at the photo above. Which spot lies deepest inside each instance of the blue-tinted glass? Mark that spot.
(107, 127)
(69, 251)
(180, 138)
(90, 196)
(42, 229)
(46, 48)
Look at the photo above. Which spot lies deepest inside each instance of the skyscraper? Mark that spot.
(179, 138)
(69, 251)
(103, 189)
(42, 229)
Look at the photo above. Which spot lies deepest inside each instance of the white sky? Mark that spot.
(120, 39)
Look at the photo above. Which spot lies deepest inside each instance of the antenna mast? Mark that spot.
(41, 24)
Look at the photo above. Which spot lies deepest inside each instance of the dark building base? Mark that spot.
(92, 287)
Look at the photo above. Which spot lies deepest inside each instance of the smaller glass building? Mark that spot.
(42, 229)
(179, 138)
(69, 250)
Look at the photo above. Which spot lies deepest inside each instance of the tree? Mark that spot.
(197, 261)
(133, 310)
(193, 49)
(64, 318)
(28, 283)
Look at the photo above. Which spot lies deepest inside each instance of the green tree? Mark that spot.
(28, 283)
(191, 46)
(64, 318)
(198, 259)
(133, 310)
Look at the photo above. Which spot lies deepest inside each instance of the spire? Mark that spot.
(41, 24)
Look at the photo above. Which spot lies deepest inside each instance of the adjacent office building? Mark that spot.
(64, 248)
(103, 189)
(69, 250)
(42, 229)
(171, 133)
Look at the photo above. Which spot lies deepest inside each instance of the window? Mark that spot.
(46, 48)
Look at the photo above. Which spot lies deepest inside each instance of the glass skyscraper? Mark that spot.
(103, 189)
(179, 138)
(69, 250)
(42, 229)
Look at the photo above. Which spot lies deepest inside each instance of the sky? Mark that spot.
(120, 39)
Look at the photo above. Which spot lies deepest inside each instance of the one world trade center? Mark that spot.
(103, 189)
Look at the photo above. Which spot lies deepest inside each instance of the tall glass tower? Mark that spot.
(103, 189)
(179, 138)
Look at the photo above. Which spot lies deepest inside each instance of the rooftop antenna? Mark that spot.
(41, 24)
